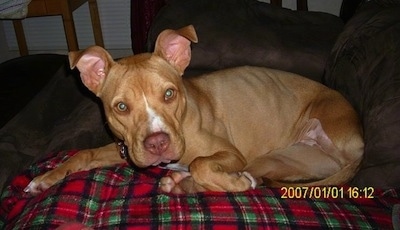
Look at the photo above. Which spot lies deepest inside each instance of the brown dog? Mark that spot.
(232, 128)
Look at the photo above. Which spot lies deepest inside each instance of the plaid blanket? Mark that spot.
(121, 197)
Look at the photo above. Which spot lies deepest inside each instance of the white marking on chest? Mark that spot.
(155, 121)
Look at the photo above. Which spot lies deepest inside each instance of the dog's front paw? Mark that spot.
(171, 183)
(180, 183)
(43, 182)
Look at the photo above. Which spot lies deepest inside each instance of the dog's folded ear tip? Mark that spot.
(193, 37)
(72, 65)
(189, 32)
(72, 59)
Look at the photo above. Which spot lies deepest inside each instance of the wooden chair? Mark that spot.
(301, 4)
(40, 8)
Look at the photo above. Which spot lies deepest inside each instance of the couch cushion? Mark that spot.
(22, 78)
(365, 67)
(249, 32)
(63, 115)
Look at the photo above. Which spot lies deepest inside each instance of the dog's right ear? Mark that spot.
(93, 64)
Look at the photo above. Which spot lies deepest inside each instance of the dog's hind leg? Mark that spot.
(312, 158)
(297, 163)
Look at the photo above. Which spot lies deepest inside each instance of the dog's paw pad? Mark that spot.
(167, 184)
(171, 183)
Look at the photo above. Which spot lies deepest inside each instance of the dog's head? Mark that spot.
(143, 95)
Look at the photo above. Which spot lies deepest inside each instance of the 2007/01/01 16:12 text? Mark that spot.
(327, 192)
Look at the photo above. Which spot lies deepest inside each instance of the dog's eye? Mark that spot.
(169, 93)
(122, 107)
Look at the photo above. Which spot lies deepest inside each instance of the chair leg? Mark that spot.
(276, 2)
(69, 26)
(302, 5)
(19, 33)
(94, 15)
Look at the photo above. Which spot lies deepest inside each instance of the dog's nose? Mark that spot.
(156, 143)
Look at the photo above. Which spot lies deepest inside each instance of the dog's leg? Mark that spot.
(313, 157)
(295, 164)
(219, 172)
(83, 160)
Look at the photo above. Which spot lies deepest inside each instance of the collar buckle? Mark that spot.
(123, 150)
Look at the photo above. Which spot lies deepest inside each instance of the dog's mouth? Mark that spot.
(161, 162)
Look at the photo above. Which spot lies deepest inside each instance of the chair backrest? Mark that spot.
(301, 4)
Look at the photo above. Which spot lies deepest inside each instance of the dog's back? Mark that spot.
(260, 110)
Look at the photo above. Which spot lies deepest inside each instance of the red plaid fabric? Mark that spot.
(123, 198)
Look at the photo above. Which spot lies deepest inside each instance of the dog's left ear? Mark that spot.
(93, 64)
(174, 46)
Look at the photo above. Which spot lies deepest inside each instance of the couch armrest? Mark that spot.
(365, 67)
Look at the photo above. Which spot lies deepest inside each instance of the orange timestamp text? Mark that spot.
(329, 192)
